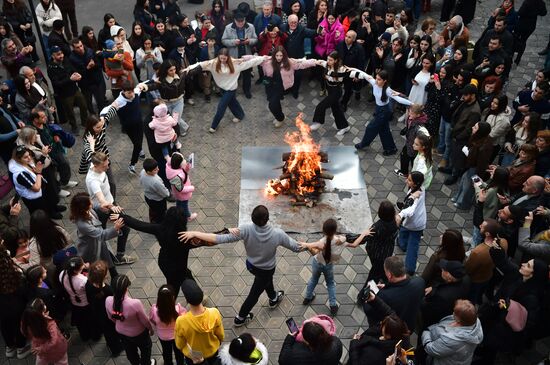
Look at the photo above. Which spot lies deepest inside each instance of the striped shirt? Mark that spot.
(100, 143)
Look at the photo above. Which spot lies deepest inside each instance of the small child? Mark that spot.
(74, 283)
(154, 190)
(177, 172)
(327, 252)
(47, 341)
(96, 292)
(163, 316)
(415, 125)
(163, 124)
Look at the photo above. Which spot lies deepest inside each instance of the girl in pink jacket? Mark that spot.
(47, 341)
(163, 317)
(177, 172)
(163, 125)
(278, 77)
(330, 33)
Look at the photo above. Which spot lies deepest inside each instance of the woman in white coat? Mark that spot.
(244, 350)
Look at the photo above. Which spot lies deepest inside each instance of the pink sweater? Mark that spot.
(324, 44)
(135, 319)
(79, 285)
(287, 75)
(180, 190)
(163, 124)
(53, 349)
(164, 331)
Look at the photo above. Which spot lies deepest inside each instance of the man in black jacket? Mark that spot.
(402, 293)
(56, 38)
(352, 55)
(64, 79)
(294, 45)
(92, 83)
(499, 30)
(440, 298)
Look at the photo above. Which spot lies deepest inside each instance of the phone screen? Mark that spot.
(15, 199)
(292, 326)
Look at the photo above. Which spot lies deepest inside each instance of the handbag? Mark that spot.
(67, 139)
(516, 316)
(5, 186)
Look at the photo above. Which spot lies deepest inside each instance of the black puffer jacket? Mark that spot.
(294, 352)
(369, 349)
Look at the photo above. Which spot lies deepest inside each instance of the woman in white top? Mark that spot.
(146, 56)
(327, 252)
(418, 94)
(423, 161)
(225, 71)
(46, 13)
(383, 112)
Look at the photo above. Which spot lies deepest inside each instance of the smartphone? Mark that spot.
(320, 29)
(476, 179)
(42, 159)
(397, 352)
(121, 51)
(292, 326)
(16, 198)
(373, 287)
(436, 77)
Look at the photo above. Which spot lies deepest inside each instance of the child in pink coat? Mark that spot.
(163, 317)
(177, 172)
(47, 341)
(163, 125)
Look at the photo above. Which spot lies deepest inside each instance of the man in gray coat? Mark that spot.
(261, 240)
(453, 340)
(239, 37)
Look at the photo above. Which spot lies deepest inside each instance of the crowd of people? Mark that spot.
(479, 295)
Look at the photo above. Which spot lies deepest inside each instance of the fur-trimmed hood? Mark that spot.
(227, 359)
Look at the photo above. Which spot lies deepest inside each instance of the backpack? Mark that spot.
(67, 139)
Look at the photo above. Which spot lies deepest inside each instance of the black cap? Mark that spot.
(468, 90)
(55, 49)
(58, 24)
(239, 16)
(179, 42)
(192, 292)
(455, 268)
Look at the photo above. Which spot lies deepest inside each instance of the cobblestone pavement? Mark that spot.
(221, 271)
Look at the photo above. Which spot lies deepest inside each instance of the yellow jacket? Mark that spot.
(203, 333)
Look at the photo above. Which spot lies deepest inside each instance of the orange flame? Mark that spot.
(303, 164)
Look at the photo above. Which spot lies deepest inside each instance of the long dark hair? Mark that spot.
(27, 94)
(72, 268)
(426, 142)
(285, 62)
(80, 207)
(452, 245)
(502, 105)
(174, 222)
(394, 327)
(166, 304)
(337, 61)
(165, 66)
(500, 180)
(90, 43)
(120, 287)
(300, 12)
(479, 137)
(10, 276)
(329, 229)
(418, 179)
(34, 323)
(47, 233)
(222, 9)
(383, 74)
(317, 338)
(242, 347)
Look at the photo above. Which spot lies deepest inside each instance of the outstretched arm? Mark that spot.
(189, 235)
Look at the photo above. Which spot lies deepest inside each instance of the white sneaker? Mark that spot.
(11, 352)
(277, 123)
(190, 101)
(212, 130)
(343, 131)
(70, 184)
(315, 126)
(235, 120)
(23, 352)
(132, 169)
(192, 217)
(63, 193)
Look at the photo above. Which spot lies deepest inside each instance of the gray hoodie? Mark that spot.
(448, 345)
(261, 243)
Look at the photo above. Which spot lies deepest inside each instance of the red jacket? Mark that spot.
(268, 43)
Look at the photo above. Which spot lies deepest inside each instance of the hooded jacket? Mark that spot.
(182, 190)
(294, 352)
(448, 345)
(227, 359)
(203, 332)
(324, 44)
(500, 125)
(163, 124)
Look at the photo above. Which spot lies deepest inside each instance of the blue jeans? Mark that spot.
(184, 204)
(46, 45)
(410, 241)
(177, 107)
(327, 270)
(444, 145)
(228, 99)
(507, 159)
(466, 192)
(380, 126)
(414, 5)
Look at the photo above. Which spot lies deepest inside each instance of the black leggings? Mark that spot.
(175, 277)
(263, 281)
(167, 348)
(274, 93)
(135, 133)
